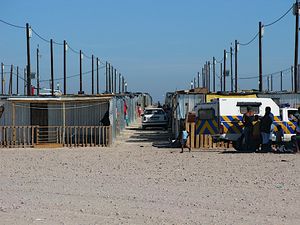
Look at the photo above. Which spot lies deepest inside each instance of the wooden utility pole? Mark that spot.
(214, 74)
(236, 66)
(28, 60)
(115, 81)
(10, 80)
(106, 77)
(52, 68)
(98, 62)
(281, 73)
(37, 71)
(119, 83)
(296, 13)
(260, 83)
(92, 74)
(231, 73)
(198, 79)
(224, 72)
(80, 72)
(123, 84)
(65, 67)
(221, 75)
(208, 75)
(17, 80)
(2, 78)
(109, 78)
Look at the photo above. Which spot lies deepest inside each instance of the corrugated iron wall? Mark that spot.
(22, 116)
(281, 98)
(180, 109)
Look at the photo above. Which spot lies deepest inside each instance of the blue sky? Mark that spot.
(158, 45)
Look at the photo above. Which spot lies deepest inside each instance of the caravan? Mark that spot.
(222, 118)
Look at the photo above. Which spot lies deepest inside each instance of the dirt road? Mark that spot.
(135, 182)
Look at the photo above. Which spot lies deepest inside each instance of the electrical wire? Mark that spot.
(266, 75)
(12, 25)
(280, 18)
(44, 39)
(89, 57)
(39, 36)
(73, 50)
(75, 75)
(249, 42)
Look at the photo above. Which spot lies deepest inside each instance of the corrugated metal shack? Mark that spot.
(283, 97)
(67, 120)
(183, 102)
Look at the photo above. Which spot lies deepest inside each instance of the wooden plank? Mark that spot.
(197, 141)
(188, 129)
(192, 129)
(210, 142)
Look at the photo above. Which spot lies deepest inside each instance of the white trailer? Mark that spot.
(222, 117)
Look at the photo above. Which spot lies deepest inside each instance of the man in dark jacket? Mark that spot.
(265, 129)
(248, 127)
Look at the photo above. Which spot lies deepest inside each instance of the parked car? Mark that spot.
(154, 117)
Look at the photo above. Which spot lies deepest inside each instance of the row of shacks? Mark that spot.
(72, 120)
(183, 102)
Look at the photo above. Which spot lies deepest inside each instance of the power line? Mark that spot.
(265, 75)
(280, 18)
(12, 25)
(75, 75)
(42, 38)
(249, 42)
(73, 50)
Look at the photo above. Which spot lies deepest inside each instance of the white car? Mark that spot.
(154, 117)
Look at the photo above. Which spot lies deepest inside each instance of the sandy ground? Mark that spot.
(134, 182)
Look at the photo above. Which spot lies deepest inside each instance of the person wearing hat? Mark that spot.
(248, 126)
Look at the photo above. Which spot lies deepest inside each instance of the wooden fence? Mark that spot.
(17, 136)
(69, 136)
(203, 140)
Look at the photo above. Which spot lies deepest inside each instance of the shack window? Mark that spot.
(206, 114)
(255, 109)
(254, 106)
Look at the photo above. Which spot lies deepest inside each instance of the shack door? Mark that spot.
(39, 117)
(39, 114)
